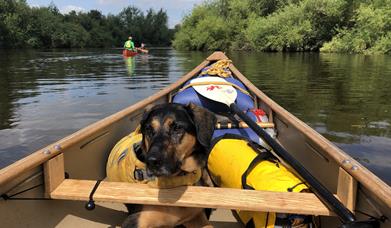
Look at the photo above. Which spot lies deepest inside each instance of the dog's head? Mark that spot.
(175, 138)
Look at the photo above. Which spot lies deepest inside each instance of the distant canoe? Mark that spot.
(127, 53)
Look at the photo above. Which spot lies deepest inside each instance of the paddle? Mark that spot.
(142, 50)
(226, 94)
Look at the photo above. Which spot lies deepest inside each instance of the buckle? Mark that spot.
(138, 175)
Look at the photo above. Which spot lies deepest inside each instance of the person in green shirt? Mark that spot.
(129, 45)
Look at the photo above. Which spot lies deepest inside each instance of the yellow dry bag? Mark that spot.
(235, 162)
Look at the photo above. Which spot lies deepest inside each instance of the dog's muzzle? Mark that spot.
(158, 164)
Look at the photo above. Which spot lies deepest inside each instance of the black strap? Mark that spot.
(11, 197)
(294, 186)
(260, 157)
(258, 148)
(267, 219)
(382, 218)
(90, 205)
(7, 197)
(250, 224)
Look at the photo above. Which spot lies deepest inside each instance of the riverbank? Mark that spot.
(304, 25)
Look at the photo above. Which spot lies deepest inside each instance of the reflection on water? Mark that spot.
(47, 95)
(130, 65)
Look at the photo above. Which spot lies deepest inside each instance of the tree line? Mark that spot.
(353, 26)
(22, 26)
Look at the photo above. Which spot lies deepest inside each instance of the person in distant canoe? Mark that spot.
(129, 45)
(142, 48)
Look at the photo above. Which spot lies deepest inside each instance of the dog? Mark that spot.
(175, 139)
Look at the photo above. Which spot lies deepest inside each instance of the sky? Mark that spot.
(175, 9)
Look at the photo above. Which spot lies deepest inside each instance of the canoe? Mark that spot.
(127, 53)
(51, 186)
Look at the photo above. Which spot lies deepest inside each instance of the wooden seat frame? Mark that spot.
(57, 187)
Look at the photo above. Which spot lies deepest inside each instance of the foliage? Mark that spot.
(46, 27)
(285, 30)
(203, 31)
(288, 25)
(297, 27)
(371, 33)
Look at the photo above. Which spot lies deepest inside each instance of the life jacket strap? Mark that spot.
(139, 174)
(259, 158)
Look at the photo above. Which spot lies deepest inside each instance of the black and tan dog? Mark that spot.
(175, 139)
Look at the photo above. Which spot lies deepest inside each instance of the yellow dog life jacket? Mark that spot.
(237, 163)
(124, 166)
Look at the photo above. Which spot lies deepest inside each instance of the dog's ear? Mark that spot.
(204, 122)
(147, 112)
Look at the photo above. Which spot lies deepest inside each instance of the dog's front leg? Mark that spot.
(162, 216)
(198, 221)
(131, 221)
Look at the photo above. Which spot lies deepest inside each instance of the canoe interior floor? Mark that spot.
(220, 218)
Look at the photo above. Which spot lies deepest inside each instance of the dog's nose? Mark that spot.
(153, 162)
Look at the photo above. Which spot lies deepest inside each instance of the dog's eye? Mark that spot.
(149, 130)
(176, 128)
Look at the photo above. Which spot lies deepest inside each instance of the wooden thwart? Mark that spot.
(193, 196)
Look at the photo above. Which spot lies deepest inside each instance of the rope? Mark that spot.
(7, 197)
(219, 68)
(381, 219)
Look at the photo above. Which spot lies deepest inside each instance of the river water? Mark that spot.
(46, 95)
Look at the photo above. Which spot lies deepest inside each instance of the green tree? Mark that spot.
(22, 26)
(39, 31)
(14, 16)
(131, 19)
(204, 29)
(360, 26)
(370, 34)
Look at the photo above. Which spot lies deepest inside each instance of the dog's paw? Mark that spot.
(131, 221)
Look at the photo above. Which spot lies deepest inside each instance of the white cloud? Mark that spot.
(69, 8)
(166, 4)
(35, 5)
(112, 2)
(175, 9)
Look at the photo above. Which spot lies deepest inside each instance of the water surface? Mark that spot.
(46, 95)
